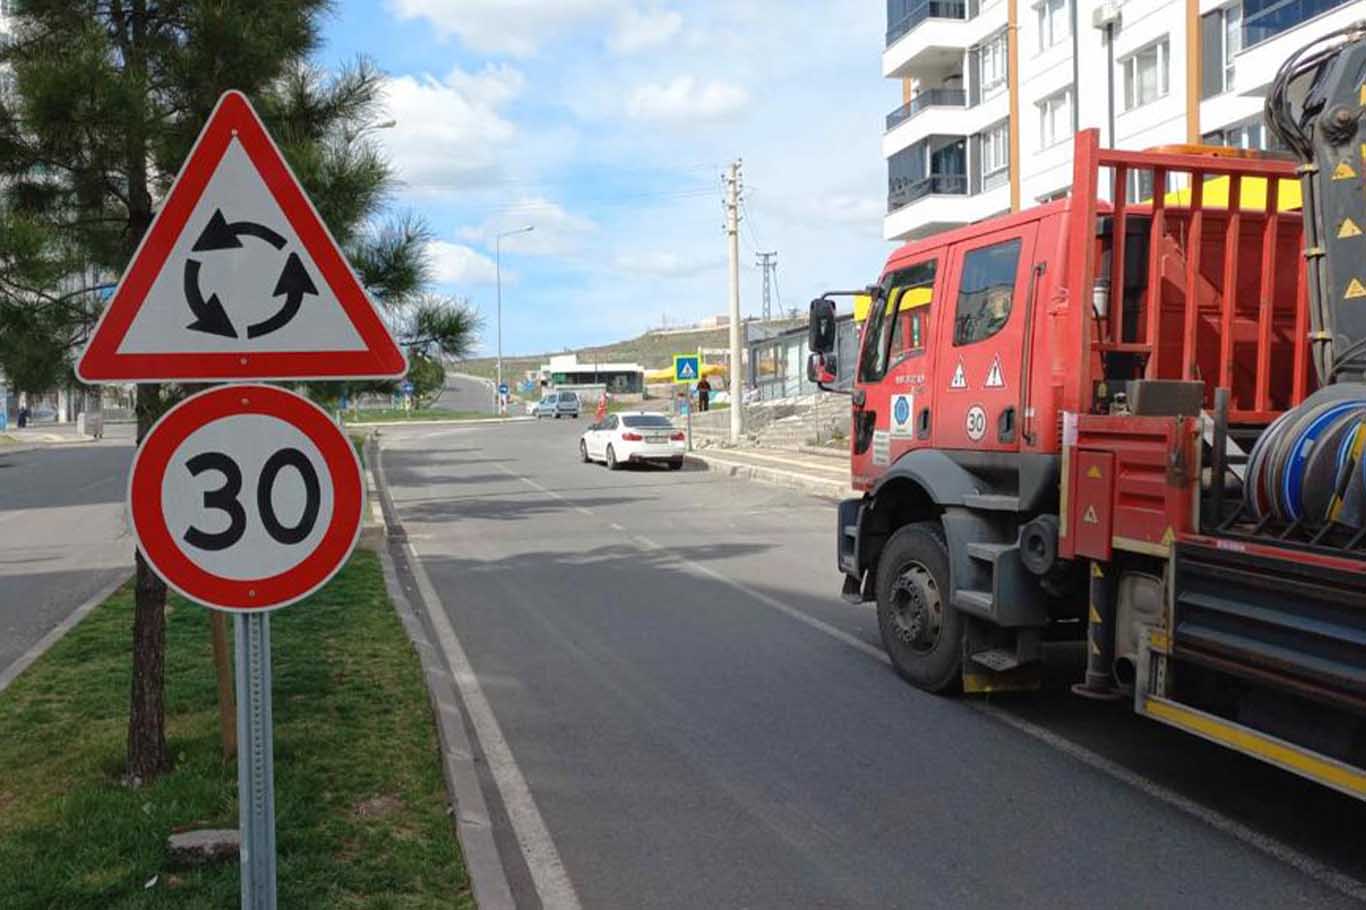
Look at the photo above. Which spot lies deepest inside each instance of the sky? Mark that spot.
(606, 125)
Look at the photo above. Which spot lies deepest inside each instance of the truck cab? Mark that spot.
(1050, 411)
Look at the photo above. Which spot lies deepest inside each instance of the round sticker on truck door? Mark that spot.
(976, 422)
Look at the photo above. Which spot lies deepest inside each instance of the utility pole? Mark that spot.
(498, 276)
(733, 245)
(769, 263)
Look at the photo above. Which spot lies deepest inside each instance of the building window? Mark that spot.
(1251, 134)
(1055, 118)
(996, 148)
(1221, 38)
(985, 291)
(1145, 75)
(1055, 23)
(992, 64)
(1265, 19)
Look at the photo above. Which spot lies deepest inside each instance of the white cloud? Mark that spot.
(516, 27)
(448, 133)
(637, 31)
(666, 264)
(556, 232)
(454, 263)
(685, 99)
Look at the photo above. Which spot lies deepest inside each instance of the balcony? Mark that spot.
(940, 202)
(934, 97)
(902, 192)
(932, 31)
(926, 9)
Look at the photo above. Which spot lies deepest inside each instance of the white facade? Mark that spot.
(942, 146)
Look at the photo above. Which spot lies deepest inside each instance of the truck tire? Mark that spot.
(921, 631)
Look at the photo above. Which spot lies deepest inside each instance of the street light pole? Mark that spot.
(498, 279)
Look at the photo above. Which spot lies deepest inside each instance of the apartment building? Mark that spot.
(993, 90)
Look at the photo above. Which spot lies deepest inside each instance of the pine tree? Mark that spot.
(106, 100)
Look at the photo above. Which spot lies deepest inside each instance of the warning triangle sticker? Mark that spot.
(1090, 517)
(238, 278)
(960, 377)
(995, 379)
(1093, 472)
(1348, 228)
(1343, 171)
(1355, 289)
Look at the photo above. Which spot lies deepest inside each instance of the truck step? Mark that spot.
(851, 530)
(973, 601)
(998, 659)
(988, 552)
(991, 502)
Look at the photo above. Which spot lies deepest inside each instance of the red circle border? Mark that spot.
(154, 537)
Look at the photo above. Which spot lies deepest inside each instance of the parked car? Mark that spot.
(634, 436)
(557, 405)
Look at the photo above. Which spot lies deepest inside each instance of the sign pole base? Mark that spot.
(255, 761)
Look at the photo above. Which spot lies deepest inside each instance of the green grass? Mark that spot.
(352, 723)
(378, 415)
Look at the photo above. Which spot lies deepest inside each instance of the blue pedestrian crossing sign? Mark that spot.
(503, 389)
(687, 368)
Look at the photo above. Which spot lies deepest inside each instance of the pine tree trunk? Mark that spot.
(148, 756)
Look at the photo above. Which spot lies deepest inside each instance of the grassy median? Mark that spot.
(361, 813)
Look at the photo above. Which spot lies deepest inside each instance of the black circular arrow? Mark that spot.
(209, 315)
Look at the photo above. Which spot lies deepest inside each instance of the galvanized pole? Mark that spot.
(733, 247)
(255, 761)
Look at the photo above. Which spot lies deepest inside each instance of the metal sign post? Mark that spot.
(255, 761)
(688, 406)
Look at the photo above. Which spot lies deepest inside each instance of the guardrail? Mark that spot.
(934, 97)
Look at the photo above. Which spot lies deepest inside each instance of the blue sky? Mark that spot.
(606, 124)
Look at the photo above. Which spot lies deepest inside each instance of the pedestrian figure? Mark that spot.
(703, 394)
(23, 417)
(601, 413)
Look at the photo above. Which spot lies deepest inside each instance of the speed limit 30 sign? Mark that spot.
(246, 497)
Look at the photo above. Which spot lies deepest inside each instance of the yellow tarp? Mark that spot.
(1253, 195)
(666, 374)
(914, 297)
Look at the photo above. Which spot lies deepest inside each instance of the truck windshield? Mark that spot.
(882, 341)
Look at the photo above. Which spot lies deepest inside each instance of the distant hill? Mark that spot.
(652, 350)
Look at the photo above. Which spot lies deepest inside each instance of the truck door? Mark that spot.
(893, 368)
(977, 383)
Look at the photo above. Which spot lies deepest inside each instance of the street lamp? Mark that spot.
(498, 277)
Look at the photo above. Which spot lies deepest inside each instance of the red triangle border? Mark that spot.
(234, 117)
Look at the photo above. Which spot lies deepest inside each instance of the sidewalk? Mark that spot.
(817, 474)
(47, 435)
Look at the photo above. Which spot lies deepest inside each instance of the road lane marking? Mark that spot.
(1319, 872)
(548, 874)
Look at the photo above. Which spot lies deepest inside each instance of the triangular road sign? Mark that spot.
(960, 377)
(238, 278)
(995, 379)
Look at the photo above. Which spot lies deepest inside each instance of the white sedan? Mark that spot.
(634, 436)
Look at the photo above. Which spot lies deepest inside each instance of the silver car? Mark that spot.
(557, 405)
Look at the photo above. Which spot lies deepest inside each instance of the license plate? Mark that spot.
(656, 439)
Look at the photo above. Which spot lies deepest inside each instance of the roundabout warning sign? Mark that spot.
(238, 278)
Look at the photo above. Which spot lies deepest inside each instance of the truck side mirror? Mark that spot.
(822, 369)
(822, 331)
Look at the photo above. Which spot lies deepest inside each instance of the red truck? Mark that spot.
(1139, 426)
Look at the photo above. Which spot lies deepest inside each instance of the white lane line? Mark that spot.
(548, 874)
(1319, 872)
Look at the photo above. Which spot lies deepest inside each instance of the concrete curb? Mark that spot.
(806, 483)
(473, 826)
(373, 535)
(11, 673)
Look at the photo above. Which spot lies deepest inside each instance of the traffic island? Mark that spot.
(362, 811)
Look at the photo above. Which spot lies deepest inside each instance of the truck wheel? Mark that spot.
(921, 632)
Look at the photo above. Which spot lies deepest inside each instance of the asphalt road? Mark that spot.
(702, 722)
(63, 536)
(466, 393)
